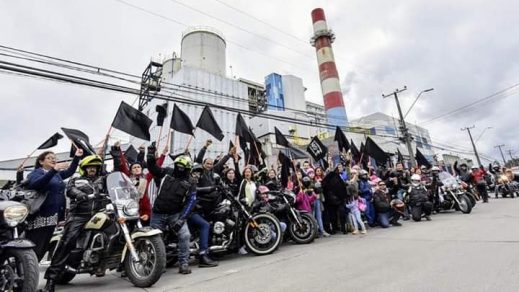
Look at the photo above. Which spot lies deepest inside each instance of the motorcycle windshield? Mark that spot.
(448, 179)
(120, 188)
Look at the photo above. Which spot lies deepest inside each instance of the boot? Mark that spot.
(204, 261)
(184, 269)
(49, 287)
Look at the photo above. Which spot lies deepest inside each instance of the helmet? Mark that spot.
(415, 179)
(197, 167)
(306, 182)
(262, 189)
(183, 162)
(90, 160)
(363, 172)
(435, 168)
(318, 188)
(474, 167)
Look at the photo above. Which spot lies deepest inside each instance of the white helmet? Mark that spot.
(415, 179)
(435, 168)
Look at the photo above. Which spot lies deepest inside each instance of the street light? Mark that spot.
(416, 99)
(480, 135)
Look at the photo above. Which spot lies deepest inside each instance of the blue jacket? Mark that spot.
(52, 182)
(365, 189)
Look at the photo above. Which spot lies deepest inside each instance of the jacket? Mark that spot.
(334, 189)
(51, 182)
(382, 201)
(78, 190)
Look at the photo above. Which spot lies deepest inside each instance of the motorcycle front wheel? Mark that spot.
(306, 232)
(265, 236)
(464, 206)
(19, 271)
(152, 261)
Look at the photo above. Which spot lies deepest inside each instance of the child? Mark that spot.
(353, 205)
(306, 196)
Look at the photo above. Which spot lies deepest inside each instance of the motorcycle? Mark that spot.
(232, 225)
(114, 238)
(19, 269)
(302, 226)
(452, 196)
(506, 187)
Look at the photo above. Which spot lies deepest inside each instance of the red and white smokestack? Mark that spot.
(330, 84)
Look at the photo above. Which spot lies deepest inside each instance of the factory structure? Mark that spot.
(199, 73)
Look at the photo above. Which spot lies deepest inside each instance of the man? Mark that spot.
(386, 215)
(175, 201)
(334, 190)
(419, 199)
(462, 172)
(85, 193)
(477, 177)
(366, 192)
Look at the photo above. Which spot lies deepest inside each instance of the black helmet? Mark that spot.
(306, 182)
(318, 188)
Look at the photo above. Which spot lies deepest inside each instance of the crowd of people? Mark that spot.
(344, 197)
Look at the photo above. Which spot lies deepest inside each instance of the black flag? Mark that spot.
(400, 158)
(80, 139)
(286, 165)
(162, 113)
(341, 140)
(51, 142)
(257, 155)
(132, 121)
(242, 130)
(421, 160)
(208, 123)
(355, 153)
(317, 149)
(180, 122)
(131, 154)
(375, 152)
(281, 139)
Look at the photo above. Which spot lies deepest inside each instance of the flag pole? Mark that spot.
(103, 149)
(158, 138)
(190, 140)
(27, 158)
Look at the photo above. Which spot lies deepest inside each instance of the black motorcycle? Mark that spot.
(452, 195)
(301, 226)
(232, 226)
(19, 269)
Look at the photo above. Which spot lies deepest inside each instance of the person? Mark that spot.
(47, 177)
(272, 181)
(386, 215)
(366, 192)
(86, 195)
(306, 196)
(262, 203)
(462, 172)
(317, 205)
(232, 180)
(352, 204)
(477, 177)
(334, 189)
(247, 187)
(175, 201)
(419, 199)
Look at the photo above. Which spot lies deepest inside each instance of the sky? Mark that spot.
(466, 50)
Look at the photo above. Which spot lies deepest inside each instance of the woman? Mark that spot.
(272, 180)
(47, 178)
(247, 186)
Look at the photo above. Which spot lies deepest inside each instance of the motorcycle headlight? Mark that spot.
(15, 214)
(131, 209)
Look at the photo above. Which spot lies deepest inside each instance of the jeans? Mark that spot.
(202, 225)
(318, 216)
(370, 211)
(160, 221)
(357, 220)
(387, 218)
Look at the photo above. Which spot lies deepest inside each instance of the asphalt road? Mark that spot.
(454, 252)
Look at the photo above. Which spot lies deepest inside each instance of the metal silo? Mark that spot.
(204, 48)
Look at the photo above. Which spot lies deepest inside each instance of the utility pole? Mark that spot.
(403, 126)
(501, 150)
(472, 141)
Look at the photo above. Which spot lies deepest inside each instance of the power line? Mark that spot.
(240, 28)
(479, 101)
(237, 44)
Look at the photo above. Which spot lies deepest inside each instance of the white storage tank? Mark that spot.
(204, 48)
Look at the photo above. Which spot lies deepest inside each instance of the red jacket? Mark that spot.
(478, 176)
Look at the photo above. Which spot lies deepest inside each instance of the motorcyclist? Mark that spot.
(365, 191)
(87, 197)
(477, 177)
(175, 200)
(462, 172)
(434, 187)
(418, 199)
